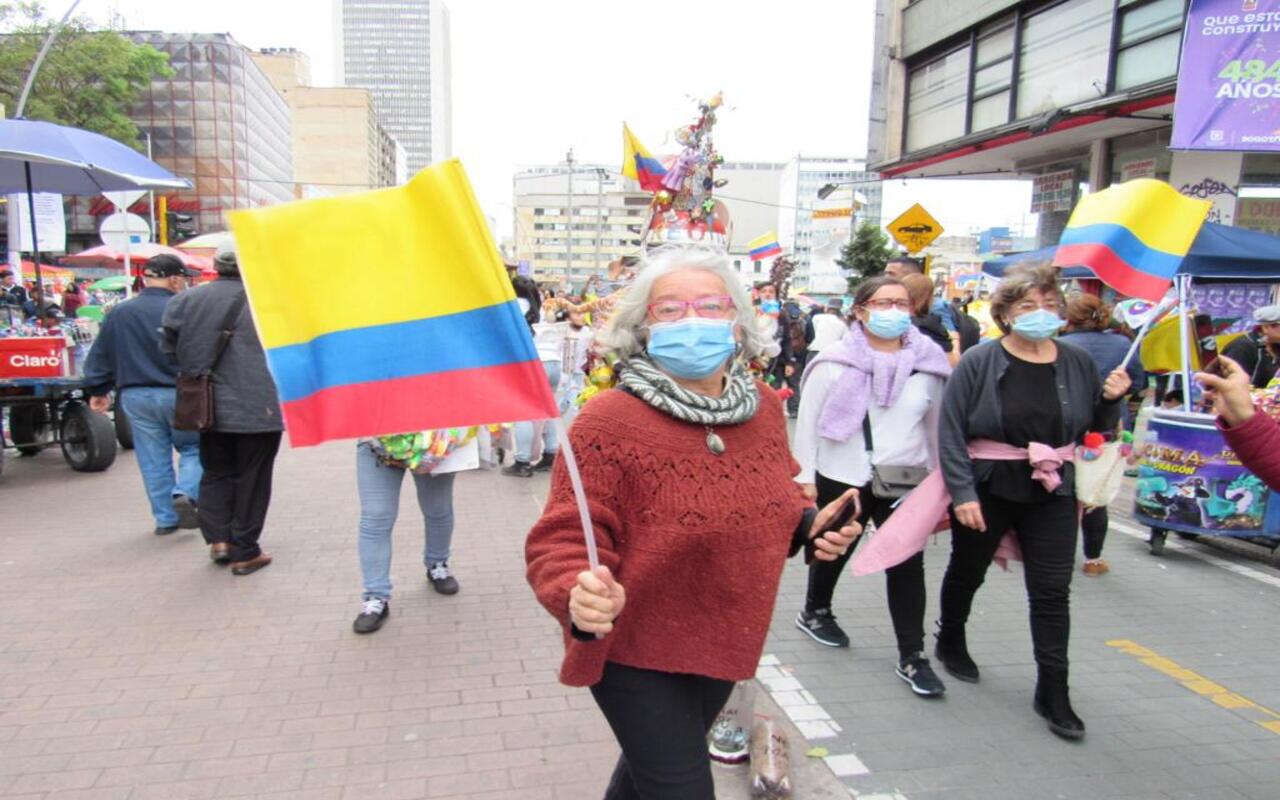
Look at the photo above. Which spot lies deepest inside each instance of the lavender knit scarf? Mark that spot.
(870, 374)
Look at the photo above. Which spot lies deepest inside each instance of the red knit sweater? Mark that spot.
(697, 540)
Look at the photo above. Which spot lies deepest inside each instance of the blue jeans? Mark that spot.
(150, 411)
(379, 487)
(524, 430)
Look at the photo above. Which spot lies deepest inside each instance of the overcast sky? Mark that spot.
(532, 78)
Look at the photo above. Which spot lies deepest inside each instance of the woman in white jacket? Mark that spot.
(872, 399)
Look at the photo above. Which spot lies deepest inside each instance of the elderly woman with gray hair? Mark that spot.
(688, 478)
(1013, 411)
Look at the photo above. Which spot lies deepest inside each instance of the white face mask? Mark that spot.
(524, 305)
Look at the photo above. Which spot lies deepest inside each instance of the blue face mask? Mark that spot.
(770, 306)
(691, 348)
(1038, 325)
(889, 324)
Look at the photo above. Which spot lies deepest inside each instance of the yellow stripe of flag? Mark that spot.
(1151, 210)
(309, 262)
(760, 241)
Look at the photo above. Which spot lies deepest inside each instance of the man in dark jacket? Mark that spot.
(239, 454)
(11, 292)
(127, 358)
(1254, 352)
(783, 365)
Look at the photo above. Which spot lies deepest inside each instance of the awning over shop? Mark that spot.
(1025, 148)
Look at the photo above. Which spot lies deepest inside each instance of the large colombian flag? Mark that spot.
(1133, 236)
(639, 164)
(388, 312)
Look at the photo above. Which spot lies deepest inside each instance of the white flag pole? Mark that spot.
(575, 477)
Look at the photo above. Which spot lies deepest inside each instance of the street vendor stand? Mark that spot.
(1189, 481)
(39, 371)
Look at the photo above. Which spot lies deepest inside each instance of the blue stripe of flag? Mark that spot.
(1127, 246)
(483, 337)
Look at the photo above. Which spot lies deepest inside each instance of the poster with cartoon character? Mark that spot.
(1188, 480)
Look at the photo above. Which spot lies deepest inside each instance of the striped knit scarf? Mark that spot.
(737, 404)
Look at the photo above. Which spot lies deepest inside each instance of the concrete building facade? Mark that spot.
(569, 226)
(220, 123)
(339, 144)
(808, 228)
(400, 51)
(1077, 94)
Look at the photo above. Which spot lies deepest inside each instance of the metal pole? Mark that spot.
(151, 197)
(35, 244)
(599, 218)
(35, 65)
(568, 228)
(1185, 319)
(15, 224)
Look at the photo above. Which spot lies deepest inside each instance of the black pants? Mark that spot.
(904, 583)
(1094, 526)
(236, 488)
(661, 721)
(1047, 535)
(793, 402)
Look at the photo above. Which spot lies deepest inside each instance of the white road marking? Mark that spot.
(1172, 543)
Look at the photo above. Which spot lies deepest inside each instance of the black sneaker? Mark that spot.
(520, 469)
(186, 508)
(165, 530)
(545, 463)
(915, 670)
(374, 612)
(441, 578)
(822, 628)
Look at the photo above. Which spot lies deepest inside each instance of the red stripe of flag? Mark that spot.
(1113, 270)
(457, 399)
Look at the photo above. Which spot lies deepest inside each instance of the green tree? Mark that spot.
(865, 255)
(89, 78)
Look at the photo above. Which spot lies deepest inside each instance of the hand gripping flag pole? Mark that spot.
(575, 478)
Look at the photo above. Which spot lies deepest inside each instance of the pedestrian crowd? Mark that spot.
(697, 491)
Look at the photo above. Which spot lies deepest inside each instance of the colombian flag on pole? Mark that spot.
(1133, 236)
(764, 246)
(388, 312)
(639, 164)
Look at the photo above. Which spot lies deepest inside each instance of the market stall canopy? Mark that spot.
(208, 241)
(73, 161)
(108, 256)
(116, 283)
(1219, 251)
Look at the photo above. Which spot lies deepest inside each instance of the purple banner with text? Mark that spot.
(1229, 77)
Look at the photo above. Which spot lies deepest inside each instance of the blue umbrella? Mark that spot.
(44, 157)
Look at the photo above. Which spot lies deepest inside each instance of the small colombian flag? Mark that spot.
(1133, 236)
(764, 246)
(639, 164)
(388, 312)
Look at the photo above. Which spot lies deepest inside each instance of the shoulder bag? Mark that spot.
(889, 482)
(193, 406)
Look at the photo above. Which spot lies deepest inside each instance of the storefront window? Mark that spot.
(1063, 56)
(1150, 34)
(1141, 155)
(936, 94)
(993, 76)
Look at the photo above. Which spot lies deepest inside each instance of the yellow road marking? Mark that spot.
(1197, 683)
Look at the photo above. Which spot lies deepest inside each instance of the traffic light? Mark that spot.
(179, 227)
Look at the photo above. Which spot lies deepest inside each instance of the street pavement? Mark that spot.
(134, 668)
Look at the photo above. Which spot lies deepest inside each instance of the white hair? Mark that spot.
(626, 333)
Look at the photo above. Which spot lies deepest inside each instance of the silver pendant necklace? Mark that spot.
(714, 443)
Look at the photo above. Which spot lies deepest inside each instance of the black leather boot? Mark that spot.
(953, 653)
(1054, 704)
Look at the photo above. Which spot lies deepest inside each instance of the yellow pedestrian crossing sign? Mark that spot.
(915, 229)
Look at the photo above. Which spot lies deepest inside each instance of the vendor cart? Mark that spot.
(1189, 482)
(42, 393)
(39, 384)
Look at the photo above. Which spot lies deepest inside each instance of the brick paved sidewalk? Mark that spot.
(134, 668)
